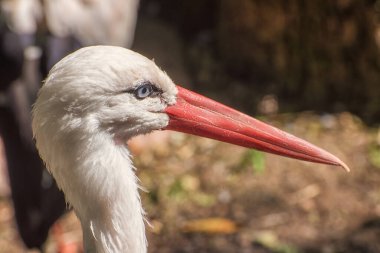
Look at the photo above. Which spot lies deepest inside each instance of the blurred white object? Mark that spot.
(22, 16)
(93, 22)
(268, 105)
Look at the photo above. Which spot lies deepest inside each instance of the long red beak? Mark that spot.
(198, 115)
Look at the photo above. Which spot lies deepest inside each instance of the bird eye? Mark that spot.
(144, 91)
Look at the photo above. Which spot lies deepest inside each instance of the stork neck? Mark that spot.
(108, 204)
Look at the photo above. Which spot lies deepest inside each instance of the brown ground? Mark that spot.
(282, 205)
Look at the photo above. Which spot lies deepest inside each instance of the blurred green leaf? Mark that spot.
(374, 156)
(176, 190)
(269, 240)
(252, 158)
(203, 199)
(257, 160)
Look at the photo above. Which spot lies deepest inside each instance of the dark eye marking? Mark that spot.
(144, 90)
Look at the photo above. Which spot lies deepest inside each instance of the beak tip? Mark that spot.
(344, 166)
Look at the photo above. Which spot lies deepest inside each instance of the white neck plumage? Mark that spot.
(106, 201)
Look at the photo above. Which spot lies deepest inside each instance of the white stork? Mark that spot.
(97, 98)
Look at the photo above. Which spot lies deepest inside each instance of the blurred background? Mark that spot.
(311, 68)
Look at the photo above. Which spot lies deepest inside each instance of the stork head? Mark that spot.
(119, 93)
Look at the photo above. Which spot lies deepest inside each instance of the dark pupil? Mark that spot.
(144, 91)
